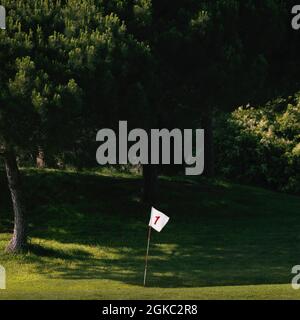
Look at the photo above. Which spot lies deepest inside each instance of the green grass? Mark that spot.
(88, 239)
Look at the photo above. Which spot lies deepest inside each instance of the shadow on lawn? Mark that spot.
(40, 251)
(190, 266)
(215, 237)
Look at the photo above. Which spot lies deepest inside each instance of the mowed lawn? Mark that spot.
(88, 239)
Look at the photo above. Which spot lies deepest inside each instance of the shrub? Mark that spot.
(261, 145)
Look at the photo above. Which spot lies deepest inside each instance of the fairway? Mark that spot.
(103, 290)
(88, 240)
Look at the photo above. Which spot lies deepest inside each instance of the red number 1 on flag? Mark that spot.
(157, 218)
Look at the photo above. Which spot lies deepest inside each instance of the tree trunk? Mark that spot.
(209, 164)
(150, 184)
(19, 240)
(40, 158)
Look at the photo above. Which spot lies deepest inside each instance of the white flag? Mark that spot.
(158, 220)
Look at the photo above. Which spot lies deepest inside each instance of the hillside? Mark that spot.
(88, 239)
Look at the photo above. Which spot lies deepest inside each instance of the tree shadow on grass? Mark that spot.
(182, 267)
(40, 251)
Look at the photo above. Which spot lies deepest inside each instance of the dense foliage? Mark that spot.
(262, 145)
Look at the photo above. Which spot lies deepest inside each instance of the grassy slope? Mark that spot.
(88, 238)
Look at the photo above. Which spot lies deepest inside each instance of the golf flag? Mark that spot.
(158, 220)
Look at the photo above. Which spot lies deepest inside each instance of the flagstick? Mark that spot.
(147, 253)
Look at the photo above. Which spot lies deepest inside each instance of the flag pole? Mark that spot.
(147, 253)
